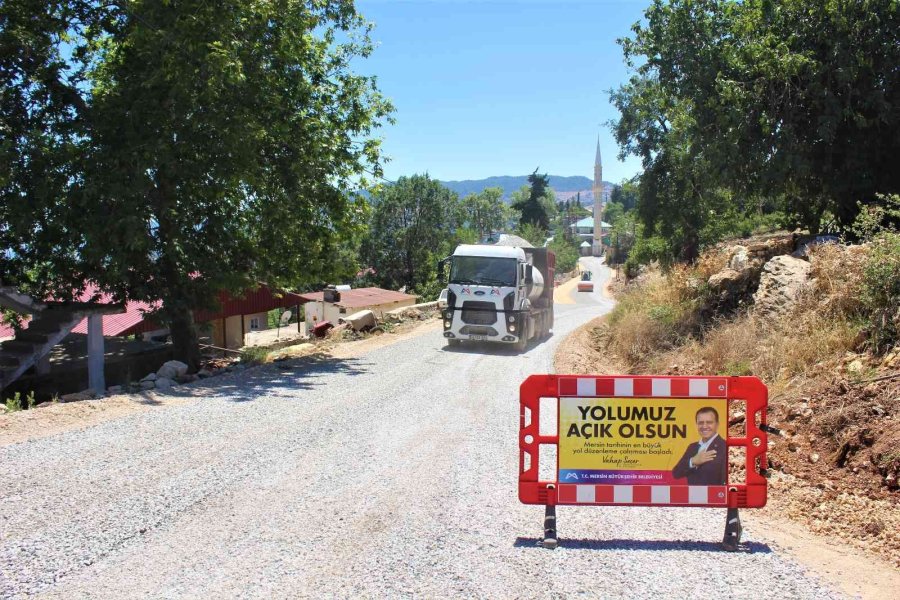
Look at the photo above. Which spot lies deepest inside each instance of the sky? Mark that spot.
(485, 88)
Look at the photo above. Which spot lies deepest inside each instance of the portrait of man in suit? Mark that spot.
(705, 462)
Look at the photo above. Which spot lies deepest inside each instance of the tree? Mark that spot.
(626, 194)
(485, 211)
(222, 143)
(730, 98)
(414, 223)
(533, 207)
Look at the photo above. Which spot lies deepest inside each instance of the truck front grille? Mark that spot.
(479, 313)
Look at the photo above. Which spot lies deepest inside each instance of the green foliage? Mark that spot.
(663, 314)
(222, 144)
(15, 403)
(485, 212)
(566, 252)
(877, 217)
(613, 212)
(738, 368)
(625, 195)
(254, 355)
(881, 290)
(729, 98)
(414, 224)
(533, 233)
(534, 207)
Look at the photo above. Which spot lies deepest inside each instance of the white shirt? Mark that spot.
(703, 447)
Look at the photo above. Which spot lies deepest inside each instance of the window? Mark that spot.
(483, 270)
(254, 323)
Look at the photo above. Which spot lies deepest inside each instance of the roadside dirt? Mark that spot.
(53, 418)
(793, 520)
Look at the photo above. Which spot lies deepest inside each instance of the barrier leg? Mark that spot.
(733, 530)
(549, 527)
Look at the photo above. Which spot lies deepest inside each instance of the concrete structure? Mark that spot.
(48, 324)
(378, 300)
(97, 316)
(597, 243)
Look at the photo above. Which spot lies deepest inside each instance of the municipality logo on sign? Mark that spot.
(571, 475)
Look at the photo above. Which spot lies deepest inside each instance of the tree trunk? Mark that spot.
(184, 337)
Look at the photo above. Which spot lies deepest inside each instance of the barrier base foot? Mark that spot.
(733, 530)
(550, 542)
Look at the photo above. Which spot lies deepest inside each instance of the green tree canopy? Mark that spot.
(485, 211)
(730, 99)
(173, 150)
(534, 207)
(414, 223)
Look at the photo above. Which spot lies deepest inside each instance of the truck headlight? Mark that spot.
(512, 328)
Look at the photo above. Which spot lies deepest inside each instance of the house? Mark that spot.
(95, 316)
(346, 302)
(237, 317)
(584, 228)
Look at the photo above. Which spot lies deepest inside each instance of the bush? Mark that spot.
(254, 355)
(647, 250)
(15, 403)
(655, 315)
(566, 253)
(881, 291)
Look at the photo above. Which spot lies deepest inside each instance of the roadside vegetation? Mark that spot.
(831, 363)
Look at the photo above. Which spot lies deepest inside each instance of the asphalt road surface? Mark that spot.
(391, 475)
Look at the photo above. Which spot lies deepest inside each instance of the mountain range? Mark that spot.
(565, 187)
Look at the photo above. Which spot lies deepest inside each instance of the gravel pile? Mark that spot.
(389, 475)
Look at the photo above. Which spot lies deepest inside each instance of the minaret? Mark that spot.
(597, 188)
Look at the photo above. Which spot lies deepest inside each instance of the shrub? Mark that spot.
(881, 291)
(254, 355)
(653, 316)
(566, 253)
(15, 403)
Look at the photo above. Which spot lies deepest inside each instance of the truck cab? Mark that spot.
(497, 294)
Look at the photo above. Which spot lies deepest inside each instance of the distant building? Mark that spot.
(584, 229)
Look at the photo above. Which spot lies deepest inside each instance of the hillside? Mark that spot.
(565, 187)
(820, 331)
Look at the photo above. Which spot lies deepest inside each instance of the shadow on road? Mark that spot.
(281, 379)
(493, 349)
(659, 545)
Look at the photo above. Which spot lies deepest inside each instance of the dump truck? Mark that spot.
(498, 293)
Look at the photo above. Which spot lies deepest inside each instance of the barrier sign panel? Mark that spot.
(652, 440)
(643, 441)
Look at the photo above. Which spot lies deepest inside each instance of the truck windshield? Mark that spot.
(483, 270)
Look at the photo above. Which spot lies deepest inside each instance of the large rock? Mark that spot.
(360, 321)
(782, 280)
(740, 259)
(172, 369)
(164, 383)
(78, 396)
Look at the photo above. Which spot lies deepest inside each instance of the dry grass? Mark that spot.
(657, 327)
(655, 315)
(837, 466)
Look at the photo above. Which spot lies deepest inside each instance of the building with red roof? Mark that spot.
(349, 301)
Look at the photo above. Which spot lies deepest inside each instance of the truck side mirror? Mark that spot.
(529, 275)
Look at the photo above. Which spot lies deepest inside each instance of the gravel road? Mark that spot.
(389, 475)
